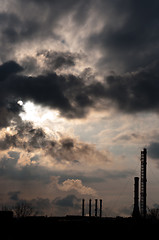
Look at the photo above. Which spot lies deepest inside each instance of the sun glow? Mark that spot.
(37, 114)
(48, 119)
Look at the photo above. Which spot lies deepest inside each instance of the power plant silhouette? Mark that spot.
(137, 212)
(143, 191)
(90, 208)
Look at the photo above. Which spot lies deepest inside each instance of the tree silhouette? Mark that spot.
(22, 209)
(154, 213)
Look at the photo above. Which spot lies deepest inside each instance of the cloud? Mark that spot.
(129, 37)
(114, 174)
(74, 97)
(18, 28)
(127, 31)
(68, 201)
(76, 184)
(133, 137)
(8, 69)
(125, 34)
(9, 109)
(14, 195)
(38, 157)
(26, 137)
(136, 92)
(130, 93)
(153, 150)
(58, 60)
(10, 169)
(56, 91)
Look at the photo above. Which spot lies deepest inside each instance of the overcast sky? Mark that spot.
(79, 100)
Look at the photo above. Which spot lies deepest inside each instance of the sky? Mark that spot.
(79, 100)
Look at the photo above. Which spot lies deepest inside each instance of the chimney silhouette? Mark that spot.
(100, 213)
(136, 212)
(83, 207)
(90, 207)
(96, 207)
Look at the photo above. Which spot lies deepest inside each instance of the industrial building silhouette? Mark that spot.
(90, 208)
(143, 191)
(137, 212)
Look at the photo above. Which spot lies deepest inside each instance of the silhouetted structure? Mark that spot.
(136, 212)
(83, 207)
(96, 207)
(90, 207)
(143, 181)
(100, 212)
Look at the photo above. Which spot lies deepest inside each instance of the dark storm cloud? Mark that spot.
(8, 114)
(57, 9)
(30, 66)
(9, 109)
(65, 93)
(74, 97)
(8, 69)
(130, 93)
(16, 27)
(153, 150)
(38, 22)
(14, 30)
(58, 60)
(129, 38)
(135, 92)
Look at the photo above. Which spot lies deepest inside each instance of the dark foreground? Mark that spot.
(74, 227)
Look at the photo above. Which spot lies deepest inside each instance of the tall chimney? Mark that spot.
(90, 207)
(136, 212)
(82, 207)
(143, 181)
(96, 207)
(100, 213)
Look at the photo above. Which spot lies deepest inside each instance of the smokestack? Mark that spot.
(136, 212)
(100, 214)
(83, 207)
(143, 181)
(96, 207)
(90, 207)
